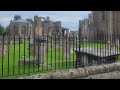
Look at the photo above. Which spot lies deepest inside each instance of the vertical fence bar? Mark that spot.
(43, 57)
(80, 41)
(29, 57)
(62, 50)
(14, 56)
(3, 55)
(88, 41)
(38, 53)
(105, 47)
(100, 47)
(110, 44)
(97, 45)
(51, 52)
(24, 54)
(118, 44)
(69, 51)
(91, 45)
(34, 53)
(73, 47)
(76, 49)
(66, 51)
(47, 52)
(59, 51)
(115, 43)
(86, 50)
(55, 52)
(8, 52)
(82, 45)
(20, 39)
(93, 41)
(116, 50)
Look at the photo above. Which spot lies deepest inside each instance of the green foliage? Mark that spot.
(29, 20)
(6, 31)
(14, 57)
(1, 30)
(16, 17)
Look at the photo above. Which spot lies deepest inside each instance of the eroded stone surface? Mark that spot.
(105, 71)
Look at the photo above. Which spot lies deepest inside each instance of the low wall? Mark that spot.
(105, 71)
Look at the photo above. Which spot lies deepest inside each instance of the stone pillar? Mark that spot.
(40, 49)
(67, 50)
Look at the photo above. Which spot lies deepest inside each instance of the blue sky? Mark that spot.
(69, 19)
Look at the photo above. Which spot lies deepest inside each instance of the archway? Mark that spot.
(16, 32)
(23, 32)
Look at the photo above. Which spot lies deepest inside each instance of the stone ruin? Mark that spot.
(3, 49)
(39, 51)
(10, 39)
(48, 28)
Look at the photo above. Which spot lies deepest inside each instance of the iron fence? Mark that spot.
(26, 55)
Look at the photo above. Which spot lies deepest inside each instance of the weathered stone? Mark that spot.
(74, 73)
(3, 50)
(67, 50)
(87, 72)
(22, 62)
(81, 71)
(20, 27)
(40, 51)
(38, 26)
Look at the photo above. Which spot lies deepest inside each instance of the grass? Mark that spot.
(53, 60)
(9, 64)
(94, 45)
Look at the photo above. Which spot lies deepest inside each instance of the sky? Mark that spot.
(69, 19)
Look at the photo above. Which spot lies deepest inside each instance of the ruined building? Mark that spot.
(84, 27)
(45, 27)
(101, 23)
(41, 26)
(21, 27)
(107, 22)
(90, 31)
(37, 26)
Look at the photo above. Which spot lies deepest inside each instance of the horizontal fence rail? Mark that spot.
(32, 54)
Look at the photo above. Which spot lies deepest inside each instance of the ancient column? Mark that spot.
(67, 48)
(37, 26)
(40, 50)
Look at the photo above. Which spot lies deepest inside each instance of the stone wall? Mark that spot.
(21, 28)
(10, 39)
(81, 73)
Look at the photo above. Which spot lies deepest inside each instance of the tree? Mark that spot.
(1, 30)
(16, 17)
(29, 20)
(7, 30)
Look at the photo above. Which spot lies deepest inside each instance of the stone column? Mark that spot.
(67, 49)
(40, 50)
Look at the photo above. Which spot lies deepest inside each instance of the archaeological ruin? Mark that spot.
(101, 23)
(21, 27)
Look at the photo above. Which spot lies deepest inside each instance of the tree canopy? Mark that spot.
(7, 31)
(29, 20)
(16, 17)
(1, 30)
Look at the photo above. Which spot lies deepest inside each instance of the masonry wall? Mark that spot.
(106, 71)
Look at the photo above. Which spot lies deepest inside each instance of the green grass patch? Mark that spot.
(53, 59)
(9, 64)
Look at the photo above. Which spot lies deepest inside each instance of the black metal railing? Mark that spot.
(25, 55)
